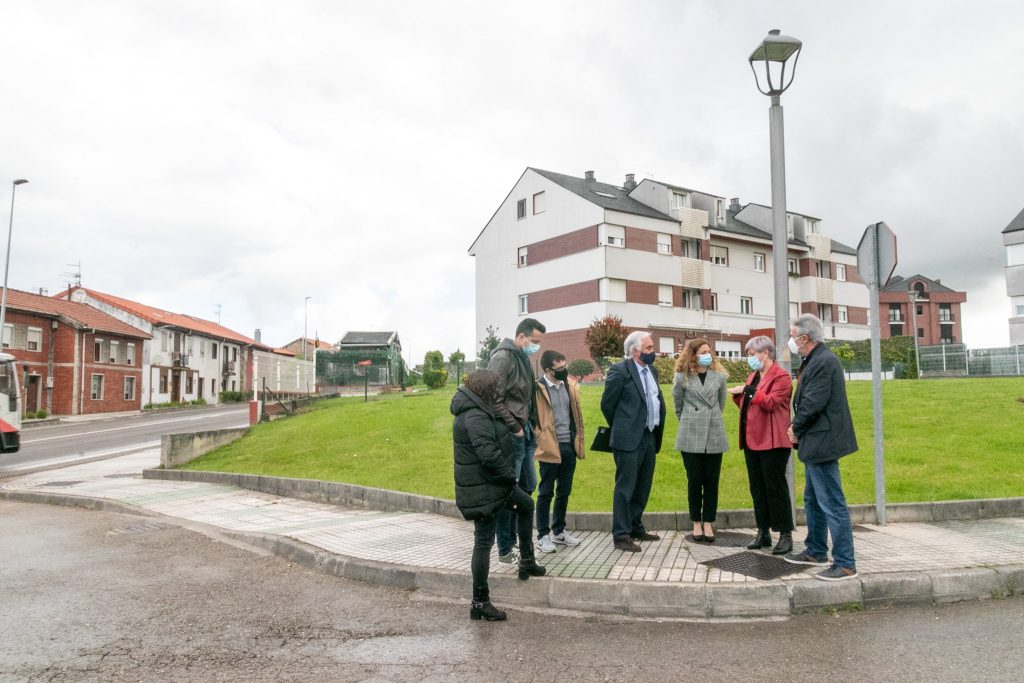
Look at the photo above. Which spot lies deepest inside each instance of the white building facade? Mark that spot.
(681, 263)
(1013, 240)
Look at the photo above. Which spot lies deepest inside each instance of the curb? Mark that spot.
(385, 500)
(778, 598)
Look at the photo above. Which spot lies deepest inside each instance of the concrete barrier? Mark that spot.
(178, 449)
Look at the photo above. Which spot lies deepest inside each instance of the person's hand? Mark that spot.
(791, 435)
(520, 434)
(736, 391)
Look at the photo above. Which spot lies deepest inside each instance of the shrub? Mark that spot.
(229, 397)
(580, 368)
(435, 379)
(199, 402)
(40, 414)
(666, 367)
(737, 369)
(605, 336)
(412, 379)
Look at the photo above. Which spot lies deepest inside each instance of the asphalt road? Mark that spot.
(101, 596)
(67, 442)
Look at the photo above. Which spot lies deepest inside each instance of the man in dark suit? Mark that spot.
(635, 410)
(822, 432)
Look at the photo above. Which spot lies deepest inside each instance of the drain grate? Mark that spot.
(725, 539)
(757, 565)
(59, 484)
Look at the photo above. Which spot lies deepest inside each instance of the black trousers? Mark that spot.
(634, 472)
(552, 473)
(702, 472)
(521, 505)
(766, 471)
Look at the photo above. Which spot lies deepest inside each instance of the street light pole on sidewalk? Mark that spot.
(7, 261)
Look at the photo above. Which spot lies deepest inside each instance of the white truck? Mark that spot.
(10, 405)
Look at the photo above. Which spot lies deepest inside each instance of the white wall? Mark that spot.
(283, 373)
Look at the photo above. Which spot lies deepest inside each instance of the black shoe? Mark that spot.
(698, 538)
(627, 545)
(763, 540)
(486, 611)
(645, 536)
(785, 544)
(528, 568)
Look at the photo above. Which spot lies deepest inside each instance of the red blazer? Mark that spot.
(768, 415)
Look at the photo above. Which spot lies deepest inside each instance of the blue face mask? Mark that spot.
(755, 363)
(704, 359)
(531, 349)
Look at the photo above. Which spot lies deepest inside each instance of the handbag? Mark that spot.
(602, 440)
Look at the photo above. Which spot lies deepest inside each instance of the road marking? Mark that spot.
(117, 429)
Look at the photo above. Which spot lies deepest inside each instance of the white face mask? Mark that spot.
(792, 346)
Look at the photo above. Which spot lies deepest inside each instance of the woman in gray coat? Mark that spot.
(699, 392)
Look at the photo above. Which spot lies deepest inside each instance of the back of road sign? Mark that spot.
(876, 254)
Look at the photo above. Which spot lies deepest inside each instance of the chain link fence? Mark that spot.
(956, 360)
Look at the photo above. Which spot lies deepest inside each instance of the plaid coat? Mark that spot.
(699, 409)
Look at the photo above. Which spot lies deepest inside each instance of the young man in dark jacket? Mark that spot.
(822, 432)
(510, 361)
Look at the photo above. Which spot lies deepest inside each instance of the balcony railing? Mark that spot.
(229, 367)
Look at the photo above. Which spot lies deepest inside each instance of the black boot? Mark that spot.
(483, 609)
(528, 565)
(785, 544)
(763, 540)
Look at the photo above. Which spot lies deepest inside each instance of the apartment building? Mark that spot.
(679, 262)
(923, 307)
(1013, 240)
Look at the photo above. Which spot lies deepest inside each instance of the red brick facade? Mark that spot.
(560, 297)
(563, 245)
(642, 292)
(933, 330)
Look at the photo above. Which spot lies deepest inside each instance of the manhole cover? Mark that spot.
(137, 528)
(757, 565)
(58, 484)
(725, 539)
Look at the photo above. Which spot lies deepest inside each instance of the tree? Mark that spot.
(605, 336)
(487, 346)
(456, 357)
(580, 368)
(435, 375)
(433, 360)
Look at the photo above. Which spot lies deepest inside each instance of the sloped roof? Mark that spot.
(612, 197)
(736, 226)
(368, 338)
(77, 314)
(1016, 224)
(901, 284)
(158, 316)
(842, 248)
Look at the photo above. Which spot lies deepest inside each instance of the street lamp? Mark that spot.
(773, 55)
(913, 318)
(7, 261)
(305, 326)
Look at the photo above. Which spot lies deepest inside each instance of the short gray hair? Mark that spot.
(810, 325)
(761, 343)
(634, 340)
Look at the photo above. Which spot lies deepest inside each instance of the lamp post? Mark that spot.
(7, 261)
(913, 318)
(772, 56)
(305, 335)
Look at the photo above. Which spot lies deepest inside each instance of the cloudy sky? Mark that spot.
(248, 154)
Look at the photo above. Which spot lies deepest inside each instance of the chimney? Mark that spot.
(589, 175)
(630, 182)
(257, 336)
(734, 204)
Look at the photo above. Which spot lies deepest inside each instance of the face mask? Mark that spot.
(561, 375)
(647, 358)
(755, 363)
(704, 359)
(792, 346)
(531, 349)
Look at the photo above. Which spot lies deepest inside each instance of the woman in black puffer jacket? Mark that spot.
(485, 483)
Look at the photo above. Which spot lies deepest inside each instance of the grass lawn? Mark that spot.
(944, 440)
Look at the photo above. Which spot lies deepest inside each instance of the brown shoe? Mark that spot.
(645, 536)
(627, 545)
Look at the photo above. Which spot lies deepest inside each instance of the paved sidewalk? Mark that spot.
(906, 562)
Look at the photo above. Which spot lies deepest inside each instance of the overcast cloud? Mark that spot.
(250, 154)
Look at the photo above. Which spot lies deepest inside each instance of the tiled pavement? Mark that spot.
(432, 542)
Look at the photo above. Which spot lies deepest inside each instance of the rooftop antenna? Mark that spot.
(74, 276)
(218, 314)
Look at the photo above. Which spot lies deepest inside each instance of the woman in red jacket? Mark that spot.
(764, 420)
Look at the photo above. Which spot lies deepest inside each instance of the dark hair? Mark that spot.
(483, 383)
(549, 358)
(528, 325)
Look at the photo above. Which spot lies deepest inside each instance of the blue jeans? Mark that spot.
(550, 474)
(825, 507)
(526, 475)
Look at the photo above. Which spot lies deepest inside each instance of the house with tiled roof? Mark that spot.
(918, 306)
(663, 257)
(72, 358)
(188, 358)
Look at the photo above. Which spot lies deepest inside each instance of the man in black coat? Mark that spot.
(822, 432)
(634, 407)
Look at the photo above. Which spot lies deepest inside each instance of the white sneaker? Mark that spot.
(545, 545)
(565, 538)
(511, 558)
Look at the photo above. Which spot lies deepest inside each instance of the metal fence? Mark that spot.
(956, 360)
